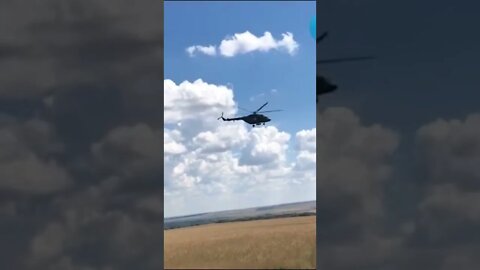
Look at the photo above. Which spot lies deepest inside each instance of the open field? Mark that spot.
(280, 243)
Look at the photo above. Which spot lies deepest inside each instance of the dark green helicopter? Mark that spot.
(254, 119)
(323, 85)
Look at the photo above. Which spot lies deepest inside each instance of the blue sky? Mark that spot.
(207, 23)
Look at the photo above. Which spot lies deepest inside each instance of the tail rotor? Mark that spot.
(221, 117)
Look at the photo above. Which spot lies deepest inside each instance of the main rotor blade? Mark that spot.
(262, 107)
(270, 111)
(321, 37)
(346, 59)
(245, 110)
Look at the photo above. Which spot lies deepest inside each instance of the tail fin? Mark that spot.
(221, 117)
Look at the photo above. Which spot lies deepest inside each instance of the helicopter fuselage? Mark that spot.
(324, 86)
(252, 119)
(256, 119)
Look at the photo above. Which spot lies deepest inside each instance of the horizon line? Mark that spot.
(237, 209)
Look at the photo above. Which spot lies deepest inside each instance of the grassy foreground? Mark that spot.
(281, 243)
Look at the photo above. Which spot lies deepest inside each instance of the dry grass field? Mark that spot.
(280, 243)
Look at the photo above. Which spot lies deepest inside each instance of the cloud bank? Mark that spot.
(229, 159)
(79, 99)
(360, 227)
(246, 42)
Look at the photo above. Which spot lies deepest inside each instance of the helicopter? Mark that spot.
(323, 85)
(254, 119)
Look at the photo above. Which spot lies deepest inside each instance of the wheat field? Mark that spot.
(280, 243)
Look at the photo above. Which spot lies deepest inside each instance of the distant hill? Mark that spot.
(264, 212)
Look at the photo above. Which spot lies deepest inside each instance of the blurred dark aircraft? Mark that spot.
(323, 85)
(255, 118)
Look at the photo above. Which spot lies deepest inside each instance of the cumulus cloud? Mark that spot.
(27, 163)
(49, 243)
(447, 216)
(196, 100)
(451, 150)
(79, 96)
(306, 145)
(307, 140)
(132, 149)
(103, 219)
(265, 146)
(439, 219)
(222, 139)
(246, 42)
(171, 144)
(207, 157)
(208, 50)
(33, 176)
(353, 164)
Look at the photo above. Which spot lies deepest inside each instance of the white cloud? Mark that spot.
(208, 50)
(265, 146)
(246, 42)
(208, 162)
(196, 100)
(288, 43)
(171, 145)
(307, 146)
(222, 139)
(307, 140)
